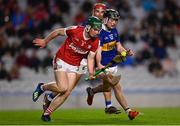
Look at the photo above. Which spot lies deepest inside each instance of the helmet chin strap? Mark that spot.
(88, 35)
(88, 27)
(105, 20)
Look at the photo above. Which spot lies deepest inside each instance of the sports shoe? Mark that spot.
(46, 118)
(90, 95)
(37, 92)
(46, 102)
(112, 110)
(133, 114)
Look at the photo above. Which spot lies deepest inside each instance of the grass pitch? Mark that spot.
(151, 116)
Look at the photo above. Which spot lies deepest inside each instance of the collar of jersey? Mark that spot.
(105, 28)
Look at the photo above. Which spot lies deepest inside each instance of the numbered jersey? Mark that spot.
(76, 46)
(108, 40)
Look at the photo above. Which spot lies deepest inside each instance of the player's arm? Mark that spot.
(54, 34)
(43, 42)
(120, 49)
(99, 57)
(91, 61)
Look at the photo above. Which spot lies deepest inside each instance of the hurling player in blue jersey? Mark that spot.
(98, 11)
(109, 47)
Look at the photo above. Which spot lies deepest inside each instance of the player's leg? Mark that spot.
(81, 70)
(110, 109)
(92, 91)
(106, 89)
(72, 79)
(120, 96)
(62, 78)
(99, 88)
(58, 86)
(48, 97)
(122, 100)
(113, 79)
(54, 87)
(41, 87)
(107, 93)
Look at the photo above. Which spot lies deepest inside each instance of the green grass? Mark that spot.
(151, 116)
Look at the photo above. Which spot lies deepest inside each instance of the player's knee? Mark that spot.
(62, 89)
(114, 80)
(67, 93)
(106, 87)
(114, 85)
(118, 87)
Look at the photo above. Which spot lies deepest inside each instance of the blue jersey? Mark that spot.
(108, 40)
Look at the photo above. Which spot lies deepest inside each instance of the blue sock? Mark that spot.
(108, 104)
(50, 96)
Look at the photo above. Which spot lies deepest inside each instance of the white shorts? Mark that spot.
(60, 65)
(83, 66)
(112, 70)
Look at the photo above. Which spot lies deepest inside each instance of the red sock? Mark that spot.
(48, 111)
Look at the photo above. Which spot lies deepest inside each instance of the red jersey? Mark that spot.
(76, 46)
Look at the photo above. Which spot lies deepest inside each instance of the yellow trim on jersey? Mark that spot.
(109, 46)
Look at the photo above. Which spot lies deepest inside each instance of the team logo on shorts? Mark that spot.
(56, 66)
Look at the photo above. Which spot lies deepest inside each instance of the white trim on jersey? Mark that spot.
(69, 28)
(104, 27)
(99, 42)
(84, 36)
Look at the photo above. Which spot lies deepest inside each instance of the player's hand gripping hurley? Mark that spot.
(117, 59)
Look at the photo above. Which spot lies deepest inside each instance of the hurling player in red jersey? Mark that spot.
(98, 11)
(80, 41)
